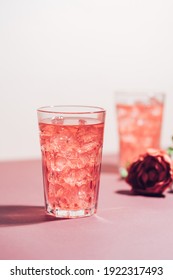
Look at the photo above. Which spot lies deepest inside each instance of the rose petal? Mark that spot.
(152, 152)
(159, 167)
(152, 175)
(144, 178)
(163, 163)
(167, 159)
(162, 176)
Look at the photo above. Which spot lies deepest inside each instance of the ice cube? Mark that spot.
(82, 161)
(121, 112)
(51, 177)
(154, 101)
(129, 138)
(82, 122)
(51, 190)
(62, 141)
(58, 163)
(85, 148)
(57, 120)
(140, 122)
(77, 177)
(85, 135)
(157, 111)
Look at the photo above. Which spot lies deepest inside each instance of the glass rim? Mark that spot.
(86, 109)
(146, 93)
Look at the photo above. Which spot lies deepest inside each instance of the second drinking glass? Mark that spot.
(139, 117)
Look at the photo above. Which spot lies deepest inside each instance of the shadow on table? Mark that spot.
(131, 193)
(18, 215)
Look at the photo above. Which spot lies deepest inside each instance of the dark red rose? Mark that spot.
(152, 173)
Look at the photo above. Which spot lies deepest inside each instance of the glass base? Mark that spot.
(59, 213)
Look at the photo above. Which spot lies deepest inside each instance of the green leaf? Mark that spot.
(170, 151)
(123, 172)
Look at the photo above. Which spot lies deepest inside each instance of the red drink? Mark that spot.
(71, 157)
(139, 127)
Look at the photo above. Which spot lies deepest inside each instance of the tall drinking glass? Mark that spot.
(139, 117)
(71, 139)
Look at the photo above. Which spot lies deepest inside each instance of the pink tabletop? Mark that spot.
(125, 226)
